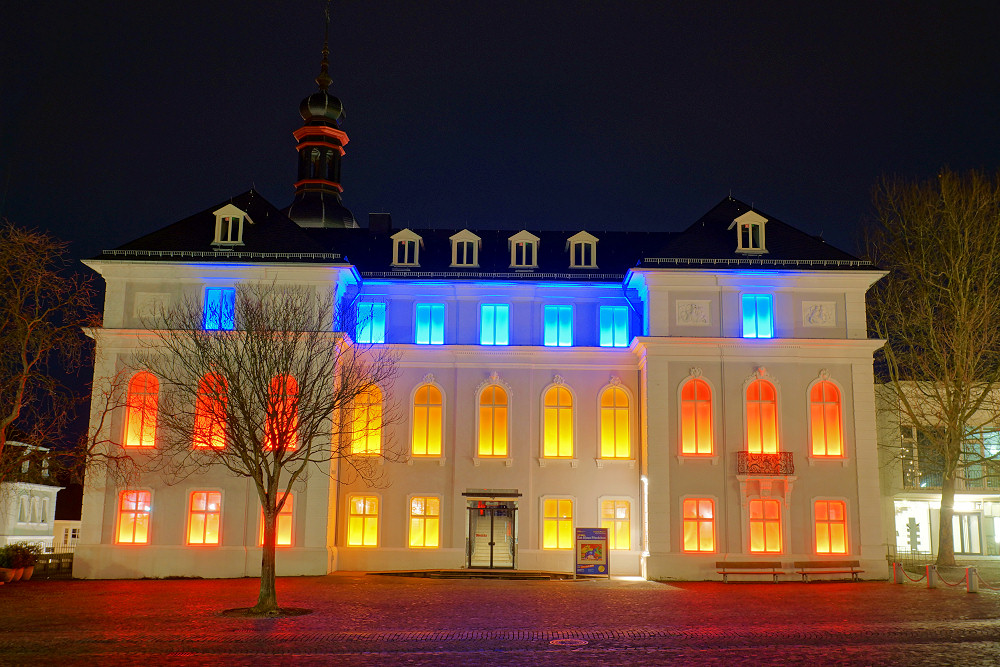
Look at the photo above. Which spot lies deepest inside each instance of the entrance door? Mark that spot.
(965, 533)
(491, 533)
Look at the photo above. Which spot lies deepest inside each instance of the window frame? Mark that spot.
(483, 338)
(628, 419)
(612, 339)
(845, 522)
(365, 518)
(613, 534)
(559, 309)
(219, 309)
(206, 513)
(409, 242)
(749, 521)
(778, 439)
(546, 519)
(121, 511)
(411, 517)
(713, 454)
(756, 298)
(432, 308)
(149, 405)
(698, 520)
(287, 512)
(527, 240)
(555, 386)
(368, 433)
(502, 386)
(369, 328)
(413, 420)
(204, 401)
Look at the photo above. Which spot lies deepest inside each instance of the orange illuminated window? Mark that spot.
(699, 524)
(281, 426)
(140, 427)
(133, 517)
(696, 418)
(210, 412)
(762, 418)
(205, 517)
(427, 421)
(362, 521)
(831, 527)
(616, 517)
(615, 442)
(493, 421)
(425, 520)
(558, 423)
(557, 523)
(367, 426)
(765, 526)
(824, 414)
(282, 525)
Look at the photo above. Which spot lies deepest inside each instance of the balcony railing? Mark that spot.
(764, 464)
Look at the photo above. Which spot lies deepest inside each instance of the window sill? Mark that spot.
(601, 462)
(686, 458)
(544, 461)
(477, 460)
(813, 459)
(440, 459)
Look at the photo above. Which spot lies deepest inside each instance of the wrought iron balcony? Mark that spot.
(764, 464)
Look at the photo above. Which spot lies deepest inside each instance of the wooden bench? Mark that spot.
(757, 567)
(807, 567)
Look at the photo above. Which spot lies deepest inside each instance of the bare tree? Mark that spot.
(939, 309)
(265, 389)
(43, 308)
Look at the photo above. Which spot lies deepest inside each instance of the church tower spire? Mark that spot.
(320, 146)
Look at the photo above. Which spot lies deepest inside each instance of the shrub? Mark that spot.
(6, 557)
(24, 554)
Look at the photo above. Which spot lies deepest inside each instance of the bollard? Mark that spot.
(971, 580)
(932, 576)
(897, 573)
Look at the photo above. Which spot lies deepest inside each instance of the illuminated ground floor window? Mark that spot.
(133, 517)
(557, 523)
(362, 521)
(699, 524)
(425, 520)
(831, 527)
(765, 526)
(282, 525)
(205, 517)
(615, 516)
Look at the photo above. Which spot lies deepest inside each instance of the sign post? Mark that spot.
(592, 552)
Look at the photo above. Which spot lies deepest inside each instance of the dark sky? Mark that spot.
(119, 118)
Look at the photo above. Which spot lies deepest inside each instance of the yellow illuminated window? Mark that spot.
(696, 418)
(699, 524)
(614, 424)
(425, 519)
(210, 412)
(824, 413)
(140, 427)
(557, 524)
(762, 418)
(133, 517)
(367, 427)
(362, 521)
(558, 423)
(205, 517)
(282, 525)
(280, 428)
(493, 421)
(615, 516)
(765, 526)
(427, 421)
(831, 527)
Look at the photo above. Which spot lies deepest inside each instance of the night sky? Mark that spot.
(119, 118)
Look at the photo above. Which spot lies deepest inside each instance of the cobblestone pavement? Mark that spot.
(364, 620)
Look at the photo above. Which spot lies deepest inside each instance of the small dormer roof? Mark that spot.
(523, 235)
(581, 237)
(406, 234)
(232, 210)
(465, 235)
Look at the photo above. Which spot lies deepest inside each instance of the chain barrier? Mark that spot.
(953, 585)
(984, 584)
(917, 580)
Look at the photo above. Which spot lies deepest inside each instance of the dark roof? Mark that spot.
(708, 243)
(272, 237)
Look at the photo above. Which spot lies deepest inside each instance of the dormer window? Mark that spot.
(465, 249)
(406, 248)
(229, 226)
(523, 250)
(750, 233)
(582, 251)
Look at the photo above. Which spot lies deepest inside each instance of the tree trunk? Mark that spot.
(267, 600)
(946, 544)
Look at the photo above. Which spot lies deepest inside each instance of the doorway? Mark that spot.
(492, 531)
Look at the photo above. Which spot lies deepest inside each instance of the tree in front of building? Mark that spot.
(255, 381)
(43, 308)
(939, 310)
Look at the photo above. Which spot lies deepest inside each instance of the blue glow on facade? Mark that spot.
(758, 316)
(220, 309)
(370, 327)
(494, 324)
(558, 326)
(614, 326)
(429, 324)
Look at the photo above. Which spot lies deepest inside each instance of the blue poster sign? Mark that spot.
(592, 551)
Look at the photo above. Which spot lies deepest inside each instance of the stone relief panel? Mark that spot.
(819, 313)
(149, 304)
(694, 312)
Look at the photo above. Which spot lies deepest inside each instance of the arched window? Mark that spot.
(615, 424)
(427, 421)
(282, 413)
(762, 418)
(824, 414)
(558, 423)
(696, 418)
(210, 412)
(140, 429)
(367, 427)
(493, 421)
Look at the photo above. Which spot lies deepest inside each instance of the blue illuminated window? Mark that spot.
(559, 326)
(430, 324)
(758, 316)
(614, 326)
(494, 324)
(370, 327)
(220, 308)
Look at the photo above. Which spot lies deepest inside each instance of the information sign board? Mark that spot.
(592, 551)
